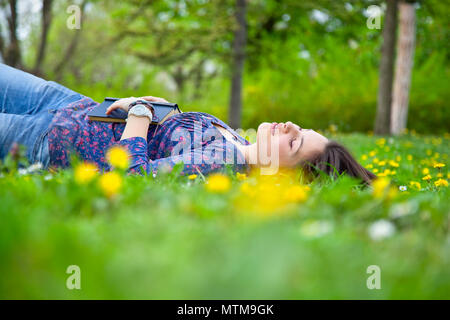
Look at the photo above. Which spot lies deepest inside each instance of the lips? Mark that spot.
(272, 127)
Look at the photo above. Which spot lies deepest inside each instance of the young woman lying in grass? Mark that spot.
(51, 121)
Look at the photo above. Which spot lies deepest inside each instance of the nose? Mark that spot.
(288, 126)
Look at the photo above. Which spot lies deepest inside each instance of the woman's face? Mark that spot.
(292, 142)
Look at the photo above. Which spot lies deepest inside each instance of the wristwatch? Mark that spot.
(141, 108)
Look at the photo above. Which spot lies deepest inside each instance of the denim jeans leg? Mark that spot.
(27, 106)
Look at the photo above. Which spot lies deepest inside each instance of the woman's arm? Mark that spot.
(136, 127)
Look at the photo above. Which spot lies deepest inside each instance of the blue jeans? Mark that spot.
(27, 106)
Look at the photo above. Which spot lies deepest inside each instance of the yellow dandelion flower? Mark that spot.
(118, 157)
(110, 183)
(382, 163)
(241, 176)
(429, 152)
(192, 176)
(85, 172)
(394, 164)
(364, 157)
(375, 160)
(398, 158)
(381, 141)
(448, 175)
(218, 183)
(415, 184)
(439, 175)
(409, 157)
(427, 177)
(439, 165)
(441, 183)
(372, 153)
(369, 166)
(375, 170)
(425, 171)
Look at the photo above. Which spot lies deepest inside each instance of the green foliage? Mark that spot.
(168, 237)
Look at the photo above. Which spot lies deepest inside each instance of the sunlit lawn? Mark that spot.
(175, 237)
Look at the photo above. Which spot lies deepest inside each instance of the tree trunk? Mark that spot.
(239, 43)
(382, 121)
(13, 55)
(403, 66)
(46, 21)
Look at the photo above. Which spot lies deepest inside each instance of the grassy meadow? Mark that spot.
(232, 236)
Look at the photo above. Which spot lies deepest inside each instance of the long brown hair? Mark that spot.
(334, 161)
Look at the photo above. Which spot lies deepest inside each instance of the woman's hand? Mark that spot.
(125, 102)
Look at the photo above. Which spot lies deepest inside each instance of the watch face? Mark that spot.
(140, 108)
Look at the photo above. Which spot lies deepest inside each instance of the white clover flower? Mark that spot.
(381, 229)
(403, 188)
(48, 177)
(35, 167)
(22, 171)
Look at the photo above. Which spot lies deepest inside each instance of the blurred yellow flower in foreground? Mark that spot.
(85, 172)
(426, 171)
(110, 183)
(118, 157)
(439, 165)
(380, 186)
(427, 177)
(441, 183)
(269, 196)
(218, 183)
(192, 176)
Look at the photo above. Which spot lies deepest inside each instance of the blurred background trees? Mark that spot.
(314, 62)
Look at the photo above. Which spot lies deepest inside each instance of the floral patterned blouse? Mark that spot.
(188, 137)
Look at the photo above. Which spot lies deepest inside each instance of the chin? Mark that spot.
(263, 129)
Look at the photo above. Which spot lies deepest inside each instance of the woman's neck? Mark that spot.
(250, 153)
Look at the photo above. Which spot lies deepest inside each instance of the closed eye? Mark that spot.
(291, 143)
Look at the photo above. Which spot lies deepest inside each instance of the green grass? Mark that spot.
(170, 238)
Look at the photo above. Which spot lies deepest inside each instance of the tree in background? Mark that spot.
(237, 68)
(9, 45)
(46, 22)
(403, 66)
(174, 35)
(386, 71)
